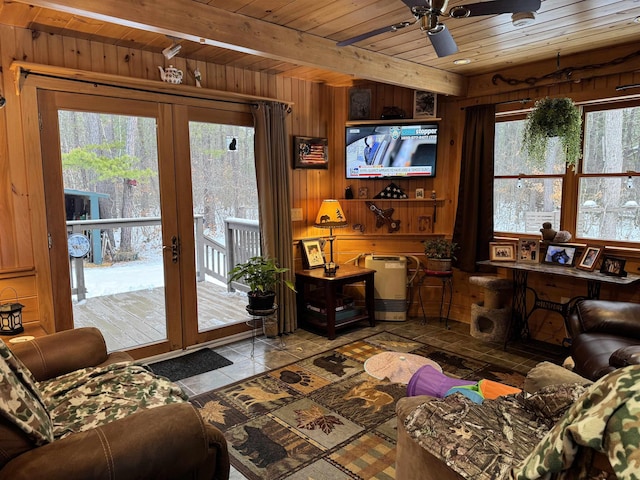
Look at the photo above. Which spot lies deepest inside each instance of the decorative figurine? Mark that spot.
(548, 233)
(198, 76)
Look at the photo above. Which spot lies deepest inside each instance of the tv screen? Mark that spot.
(387, 151)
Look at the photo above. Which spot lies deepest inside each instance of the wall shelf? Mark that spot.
(397, 121)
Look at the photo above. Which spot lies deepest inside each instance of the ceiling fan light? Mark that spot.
(523, 19)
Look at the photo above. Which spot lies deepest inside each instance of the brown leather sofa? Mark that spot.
(605, 335)
(166, 442)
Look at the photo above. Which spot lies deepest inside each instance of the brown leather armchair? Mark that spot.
(167, 442)
(605, 335)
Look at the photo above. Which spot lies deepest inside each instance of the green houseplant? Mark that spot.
(439, 252)
(553, 117)
(261, 274)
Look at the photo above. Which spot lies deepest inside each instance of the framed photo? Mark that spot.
(560, 254)
(528, 250)
(310, 152)
(502, 252)
(613, 266)
(312, 253)
(589, 258)
(424, 104)
(419, 192)
(425, 224)
(363, 192)
(359, 104)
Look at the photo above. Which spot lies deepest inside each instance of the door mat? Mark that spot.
(195, 363)
(324, 416)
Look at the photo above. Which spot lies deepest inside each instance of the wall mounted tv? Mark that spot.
(391, 151)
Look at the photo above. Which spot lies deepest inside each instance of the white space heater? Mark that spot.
(390, 282)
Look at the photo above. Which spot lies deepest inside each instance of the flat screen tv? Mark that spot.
(391, 151)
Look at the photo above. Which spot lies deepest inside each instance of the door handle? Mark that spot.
(174, 247)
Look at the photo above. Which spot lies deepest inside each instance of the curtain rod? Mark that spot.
(212, 95)
(521, 100)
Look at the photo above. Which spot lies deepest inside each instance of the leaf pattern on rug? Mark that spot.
(314, 418)
(214, 411)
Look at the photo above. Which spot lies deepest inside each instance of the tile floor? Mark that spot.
(269, 354)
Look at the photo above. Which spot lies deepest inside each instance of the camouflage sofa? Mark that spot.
(567, 428)
(70, 411)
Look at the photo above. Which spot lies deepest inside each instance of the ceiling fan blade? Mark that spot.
(442, 41)
(373, 33)
(415, 3)
(495, 7)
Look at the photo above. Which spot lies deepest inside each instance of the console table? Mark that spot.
(520, 271)
(330, 288)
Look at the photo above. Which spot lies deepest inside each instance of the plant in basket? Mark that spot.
(439, 252)
(260, 274)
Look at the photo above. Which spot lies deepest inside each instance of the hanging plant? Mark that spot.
(554, 117)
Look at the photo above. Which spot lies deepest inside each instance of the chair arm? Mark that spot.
(605, 316)
(164, 442)
(625, 356)
(62, 352)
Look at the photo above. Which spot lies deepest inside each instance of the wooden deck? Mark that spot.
(136, 318)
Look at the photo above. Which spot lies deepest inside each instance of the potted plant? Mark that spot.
(554, 117)
(439, 252)
(260, 274)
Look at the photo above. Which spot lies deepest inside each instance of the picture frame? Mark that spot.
(528, 250)
(359, 104)
(420, 193)
(561, 254)
(312, 253)
(311, 152)
(613, 266)
(424, 104)
(425, 223)
(589, 258)
(502, 252)
(363, 192)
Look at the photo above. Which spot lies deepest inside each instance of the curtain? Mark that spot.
(274, 177)
(473, 228)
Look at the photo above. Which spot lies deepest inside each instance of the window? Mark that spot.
(600, 200)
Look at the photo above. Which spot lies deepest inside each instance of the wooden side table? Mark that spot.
(331, 287)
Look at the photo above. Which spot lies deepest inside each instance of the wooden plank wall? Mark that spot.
(318, 111)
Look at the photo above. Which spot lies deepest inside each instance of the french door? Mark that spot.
(125, 194)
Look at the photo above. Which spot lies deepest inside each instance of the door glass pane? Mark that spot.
(225, 208)
(112, 197)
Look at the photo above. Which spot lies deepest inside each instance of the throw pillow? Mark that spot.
(547, 373)
(550, 403)
(21, 404)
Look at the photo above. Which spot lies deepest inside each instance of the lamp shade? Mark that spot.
(330, 215)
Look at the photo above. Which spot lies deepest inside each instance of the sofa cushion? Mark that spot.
(22, 407)
(591, 352)
(90, 397)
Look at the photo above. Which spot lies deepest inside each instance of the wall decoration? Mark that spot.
(425, 224)
(613, 266)
(502, 252)
(312, 253)
(528, 250)
(424, 104)
(384, 217)
(359, 104)
(560, 254)
(363, 192)
(419, 192)
(310, 152)
(589, 258)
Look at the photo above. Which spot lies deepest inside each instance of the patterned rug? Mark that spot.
(324, 416)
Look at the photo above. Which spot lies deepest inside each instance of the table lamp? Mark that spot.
(330, 216)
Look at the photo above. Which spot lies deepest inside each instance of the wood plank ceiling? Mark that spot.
(265, 35)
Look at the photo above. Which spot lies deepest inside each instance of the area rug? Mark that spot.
(188, 365)
(324, 416)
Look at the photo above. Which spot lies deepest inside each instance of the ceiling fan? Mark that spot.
(427, 12)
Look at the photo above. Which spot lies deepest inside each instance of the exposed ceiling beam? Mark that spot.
(194, 21)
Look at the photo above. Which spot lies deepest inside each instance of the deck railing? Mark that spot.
(213, 258)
